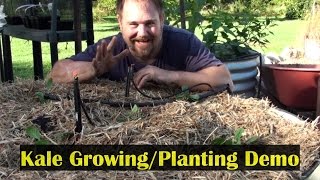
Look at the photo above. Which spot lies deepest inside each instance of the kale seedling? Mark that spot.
(34, 132)
(236, 140)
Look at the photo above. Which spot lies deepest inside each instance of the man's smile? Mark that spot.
(143, 43)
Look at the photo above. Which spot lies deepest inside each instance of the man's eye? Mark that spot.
(133, 25)
(150, 24)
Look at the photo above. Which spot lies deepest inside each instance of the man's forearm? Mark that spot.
(214, 76)
(64, 70)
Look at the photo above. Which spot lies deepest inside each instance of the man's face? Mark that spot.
(141, 26)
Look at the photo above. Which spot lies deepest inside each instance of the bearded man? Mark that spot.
(160, 53)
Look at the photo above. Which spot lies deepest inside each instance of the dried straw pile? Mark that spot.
(174, 123)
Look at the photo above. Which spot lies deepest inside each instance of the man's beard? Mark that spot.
(145, 53)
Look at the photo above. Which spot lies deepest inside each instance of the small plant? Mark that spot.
(236, 140)
(133, 114)
(185, 95)
(34, 132)
(135, 109)
(43, 9)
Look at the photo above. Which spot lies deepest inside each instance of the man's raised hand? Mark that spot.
(104, 59)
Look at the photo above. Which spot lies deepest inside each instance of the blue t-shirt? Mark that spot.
(181, 51)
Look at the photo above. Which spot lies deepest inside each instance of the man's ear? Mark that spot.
(119, 21)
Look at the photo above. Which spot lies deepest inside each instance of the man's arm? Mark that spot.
(213, 75)
(64, 70)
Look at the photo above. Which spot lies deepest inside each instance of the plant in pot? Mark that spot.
(230, 36)
(37, 16)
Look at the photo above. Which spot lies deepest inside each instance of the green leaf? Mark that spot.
(228, 31)
(42, 142)
(184, 95)
(218, 141)
(268, 21)
(40, 95)
(215, 25)
(237, 135)
(135, 109)
(228, 142)
(194, 97)
(225, 36)
(184, 88)
(252, 140)
(33, 132)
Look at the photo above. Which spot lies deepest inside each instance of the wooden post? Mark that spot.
(53, 34)
(89, 22)
(37, 60)
(77, 25)
(7, 58)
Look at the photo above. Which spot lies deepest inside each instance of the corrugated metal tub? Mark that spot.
(243, 73)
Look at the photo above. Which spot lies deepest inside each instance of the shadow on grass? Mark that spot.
(110, 19)
(107, 28)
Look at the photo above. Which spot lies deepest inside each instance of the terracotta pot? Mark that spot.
(294, 85)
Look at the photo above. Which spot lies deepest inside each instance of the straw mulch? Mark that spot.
(179, 122)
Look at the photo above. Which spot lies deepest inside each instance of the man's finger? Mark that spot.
(104, 46)
(141, 77)
(122, 55)
(143, 80)
(111, 44)
(136, 78)
(98, 53)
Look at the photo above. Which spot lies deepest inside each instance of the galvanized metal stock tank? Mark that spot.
(244, 71)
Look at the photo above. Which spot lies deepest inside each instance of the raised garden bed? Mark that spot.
(178, 122)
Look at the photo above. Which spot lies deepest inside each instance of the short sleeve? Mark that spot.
(199, 56)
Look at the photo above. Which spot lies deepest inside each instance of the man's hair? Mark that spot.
(157, 3)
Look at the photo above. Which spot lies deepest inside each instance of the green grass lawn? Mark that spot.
(287, 33)
(22, 58)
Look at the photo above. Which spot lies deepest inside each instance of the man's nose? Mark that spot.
(142, 30)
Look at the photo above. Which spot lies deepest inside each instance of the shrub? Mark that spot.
(103, 8)
(296, 9)
(171, 8)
